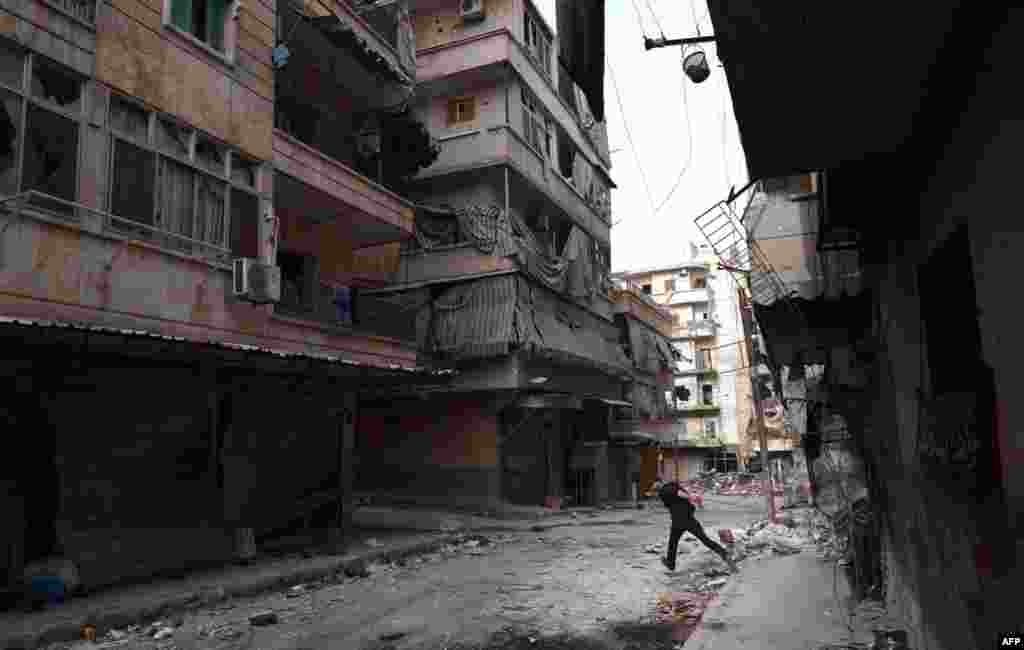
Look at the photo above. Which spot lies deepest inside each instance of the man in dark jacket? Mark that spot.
(683, 521)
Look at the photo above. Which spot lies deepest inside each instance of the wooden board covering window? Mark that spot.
(461, 109)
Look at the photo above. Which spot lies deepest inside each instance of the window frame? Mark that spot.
(453, 109)
(28, 98)
(537, 41)
(538, 118)
(190, 161)
(230, 36)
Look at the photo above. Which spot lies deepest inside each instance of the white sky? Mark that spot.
(651, 85)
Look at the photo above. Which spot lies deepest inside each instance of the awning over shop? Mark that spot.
(615, 402)
(550, 401)
(153, 345)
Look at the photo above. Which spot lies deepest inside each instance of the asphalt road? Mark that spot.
(591, 584)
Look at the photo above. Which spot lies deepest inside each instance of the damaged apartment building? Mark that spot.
(193, 195)
(895, 310)
(507, 278)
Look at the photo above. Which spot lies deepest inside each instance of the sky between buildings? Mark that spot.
(684, 133)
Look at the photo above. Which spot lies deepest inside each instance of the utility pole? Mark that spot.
(747, 315)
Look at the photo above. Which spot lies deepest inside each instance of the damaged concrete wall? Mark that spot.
(944, 566)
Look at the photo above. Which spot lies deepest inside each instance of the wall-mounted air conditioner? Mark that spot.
(471, 10)
(256, 282)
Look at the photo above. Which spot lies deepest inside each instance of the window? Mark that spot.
(536, 125)
(708, 394)
(670, 285)
(40, 121)
(538, 43)
(646, 289)
(710, 427)
(700, 283)
(175, 187)
(566, 155)
(675, 319)
(205, 20)
(461, 110)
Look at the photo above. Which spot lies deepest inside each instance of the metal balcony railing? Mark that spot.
(32, 201)
(84, 10)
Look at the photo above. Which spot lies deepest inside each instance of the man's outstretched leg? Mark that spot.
(673, 547)
(697, 531)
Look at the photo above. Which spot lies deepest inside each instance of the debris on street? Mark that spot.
(263, 618)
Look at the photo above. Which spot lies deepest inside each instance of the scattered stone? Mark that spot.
(716, 583)
(537, 528)
(393, 636)
(652, 549)
(357, 569)
(296, 591)
(372, 542)
(164, 633)
(263, 618)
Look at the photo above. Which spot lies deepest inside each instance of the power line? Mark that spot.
(629, 136)
(689, 153)
(656, 21)
(639, 18)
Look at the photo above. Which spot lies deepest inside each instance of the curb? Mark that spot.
(64, 631)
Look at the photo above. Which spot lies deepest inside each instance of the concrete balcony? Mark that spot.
(690, 296)
(698, 329)
(329, 190)
(689, 409)
(444, 68)
(82, 266)
(502, 145)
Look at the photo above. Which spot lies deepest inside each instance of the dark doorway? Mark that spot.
(38, 482)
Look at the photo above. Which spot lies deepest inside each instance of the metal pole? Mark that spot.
(651, 43)
(747, 317)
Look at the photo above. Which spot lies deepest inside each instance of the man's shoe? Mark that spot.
(668, 565)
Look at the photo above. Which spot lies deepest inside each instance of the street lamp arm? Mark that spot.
(651, 43)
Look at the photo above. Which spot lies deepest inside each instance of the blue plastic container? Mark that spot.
(52, 588)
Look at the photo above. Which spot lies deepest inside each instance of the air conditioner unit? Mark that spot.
(256, 282)
(471, 10)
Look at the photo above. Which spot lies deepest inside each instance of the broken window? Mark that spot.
(211, 155)
(10, 117)
(710, 427)
(51, 156)
(647, 289)
(134, 173)
(54, 83)
(243, 171)
(204, 19)
(12, 66)
(128, 119)
(708, 394)
(172, 139)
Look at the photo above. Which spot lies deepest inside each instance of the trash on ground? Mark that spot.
(263, 618)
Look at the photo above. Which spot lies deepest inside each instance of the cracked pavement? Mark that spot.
(591, 583)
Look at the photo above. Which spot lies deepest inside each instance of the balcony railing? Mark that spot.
(84, 10)
(690, 408)
(701, 327)
(52, 206)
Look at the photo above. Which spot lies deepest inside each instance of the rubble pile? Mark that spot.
(732, 484)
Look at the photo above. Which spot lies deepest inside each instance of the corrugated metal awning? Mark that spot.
(615, 402)
(550, 401)
(12, 325)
